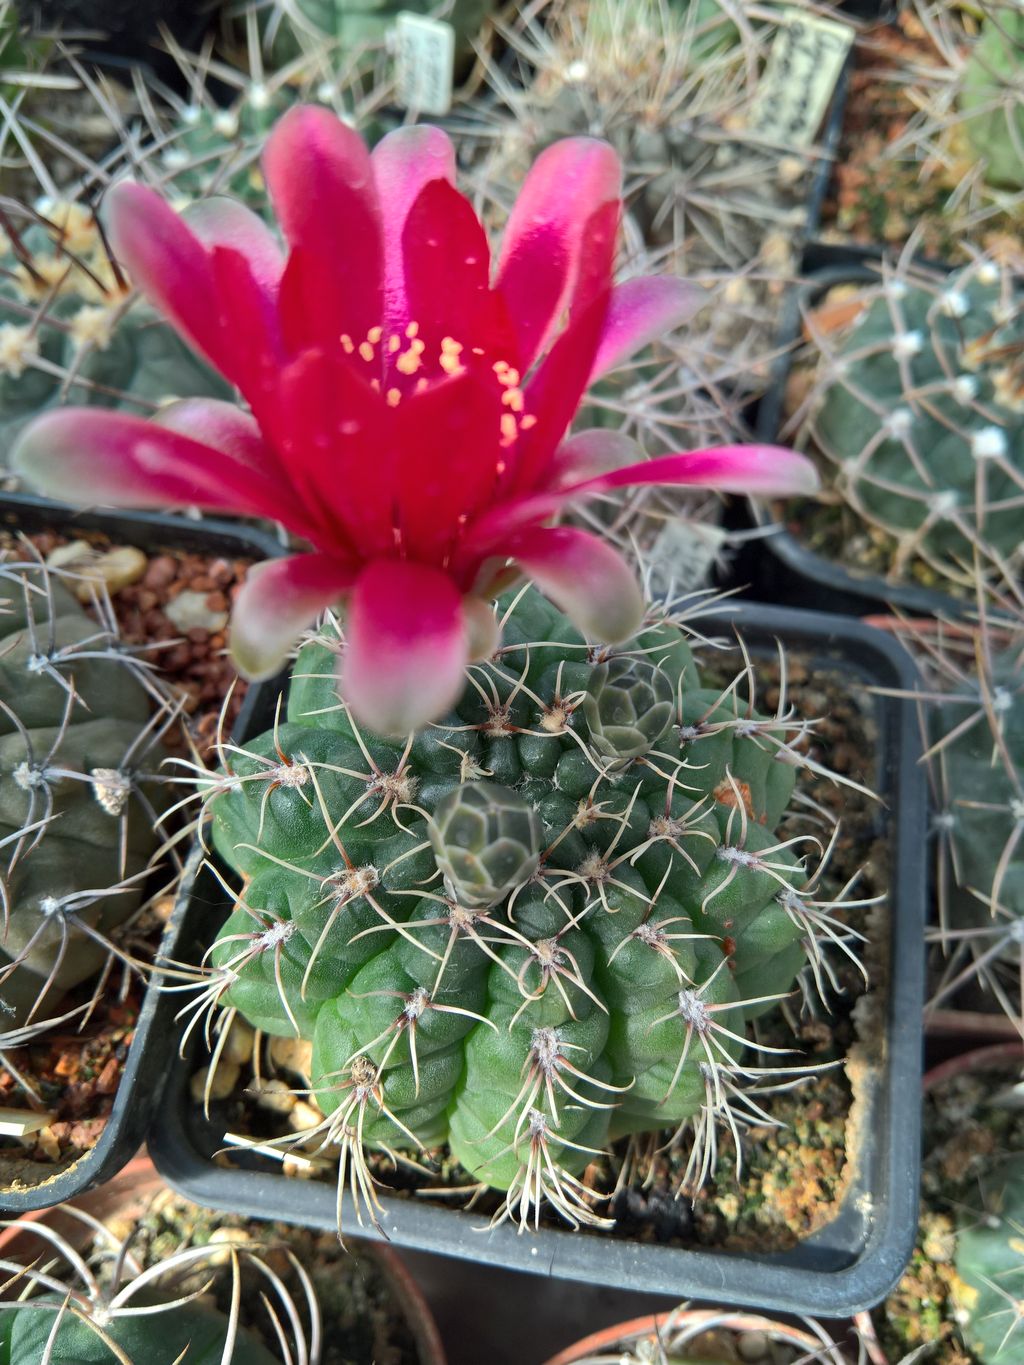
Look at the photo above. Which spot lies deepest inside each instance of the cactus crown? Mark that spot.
(80, 728)
(521, 932)
(921, 407)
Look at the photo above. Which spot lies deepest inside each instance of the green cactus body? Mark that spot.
(89, 345)
(73, 717)
(191, 1334)
(978, 763)
(922, 408)
(991, 97)
(584, 975)
(990, 1266)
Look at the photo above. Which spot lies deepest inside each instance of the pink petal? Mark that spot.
(447, 439)
(223, 222)
(321, 182)
(543, 243)
(553, 395)
(447, 263)
(89, 456)
(773, 470)
(406, 646)
(403, 163)
(171, 266)
(257, 352)
(589, 453)
(279, 600)
(333, 434)
(583, 576)
(639, 312)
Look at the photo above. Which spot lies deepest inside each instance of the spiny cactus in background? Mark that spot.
(921, 407)
(990, 1265)
(672, 87)
(991, 96)
(972, 706)
(530, 929)
(70, 329)
(80, 723)
(109, 1307)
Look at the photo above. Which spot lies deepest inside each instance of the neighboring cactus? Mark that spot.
(106, 1308)
(991, 96)
(921, 407)
(972, 707)
(78, 725)
(990, 1268)
(529, 965)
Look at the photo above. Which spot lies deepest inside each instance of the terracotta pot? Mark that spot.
(975, 1060)
(125, 1197)
(696, 1320)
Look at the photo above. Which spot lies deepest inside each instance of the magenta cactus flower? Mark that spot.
(406, 405)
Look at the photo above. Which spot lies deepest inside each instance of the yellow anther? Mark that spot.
(393, 398)
(499, 367)
(449, 346)
(374, 335)
(366, 350)
(422, 384)
(500, 467)
(525, 423)
(346, 343)
(509, 428)
(451, 364)
(394, 342)
(513, 398)
(412, 329)
(408, 362)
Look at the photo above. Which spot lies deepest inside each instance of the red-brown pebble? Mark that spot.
(162, 571)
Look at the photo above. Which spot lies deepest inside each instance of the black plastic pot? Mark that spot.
(846, 1266)
(780, 566)
(832, 131)
(152, 1042)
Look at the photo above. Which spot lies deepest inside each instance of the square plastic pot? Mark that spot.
(778, 562)
(152, 1042)
(844, 1267)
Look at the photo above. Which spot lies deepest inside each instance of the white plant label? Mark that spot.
(799, 77)
(424, 64)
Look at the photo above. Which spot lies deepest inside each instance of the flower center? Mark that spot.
(402, 364)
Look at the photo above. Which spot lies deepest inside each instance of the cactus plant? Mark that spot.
(78, 728)
(972, 705)
(920, 406)
(521, 932)
(108, 1307)
(989, 1264)
(991, 96)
